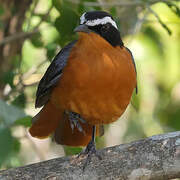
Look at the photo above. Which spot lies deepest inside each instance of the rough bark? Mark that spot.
(153, 158)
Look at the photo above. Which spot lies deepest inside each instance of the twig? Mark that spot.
(33, 70)
(24, 35)
(31, 13)
(43, 18)
(159, 20)
(120, 3)
(20, 85)
(17, 36)
(30, 85)
(153, 158)
(139, 23)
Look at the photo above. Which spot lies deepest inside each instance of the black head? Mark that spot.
(101, 23)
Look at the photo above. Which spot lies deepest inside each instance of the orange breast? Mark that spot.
(97, 82)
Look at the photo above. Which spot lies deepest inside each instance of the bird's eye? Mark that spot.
(105, 27)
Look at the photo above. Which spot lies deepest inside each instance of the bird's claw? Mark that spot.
(74, 119)
(89, 151)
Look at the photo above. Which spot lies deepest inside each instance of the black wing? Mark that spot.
(134, 66)
(52, 75)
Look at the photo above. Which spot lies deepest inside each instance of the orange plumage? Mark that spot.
(91, 79)
(98, 85)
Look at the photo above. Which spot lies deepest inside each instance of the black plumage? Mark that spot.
(52, 75)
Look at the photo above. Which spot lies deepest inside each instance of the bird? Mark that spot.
(88, 84)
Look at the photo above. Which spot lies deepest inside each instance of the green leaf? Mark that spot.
(20, 101)
(165, 27)
(84, 8)
(134, 129)
(161, 22)
(16, 61)
(16, 145)
(174, 8)
(66, 23)
(169, 115)
(9, 114)
(26, 121)
(72, 150)
(10, 146)
(51, 50)
(8, 78)
(135, 101)
(1, 10)
(57, 4)
(36, 40)
(1, 25)
(6, 144)
(113, 11)
(155, 38)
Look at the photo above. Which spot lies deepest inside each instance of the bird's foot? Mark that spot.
(89, 151)
(75, 120)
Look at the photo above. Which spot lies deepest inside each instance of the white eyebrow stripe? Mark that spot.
(82, 18)
(95, 22)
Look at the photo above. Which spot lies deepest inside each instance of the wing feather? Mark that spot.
(134, 66)
(52, 75)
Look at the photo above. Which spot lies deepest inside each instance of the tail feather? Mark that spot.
(45, 122)
(51, 120)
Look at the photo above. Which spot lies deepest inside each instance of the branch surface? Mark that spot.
(153, 158)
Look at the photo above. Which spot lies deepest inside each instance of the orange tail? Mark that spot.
(51, 120)
(46, 121)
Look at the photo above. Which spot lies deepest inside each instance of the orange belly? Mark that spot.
(97, 82)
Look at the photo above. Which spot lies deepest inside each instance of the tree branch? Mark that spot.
(17, 36)
(24, 35)
(159, 20)
(119, 3)
(153, 158)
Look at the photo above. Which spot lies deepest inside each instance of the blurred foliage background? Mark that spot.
(33, 31)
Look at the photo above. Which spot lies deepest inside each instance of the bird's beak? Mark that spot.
(82, 28)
